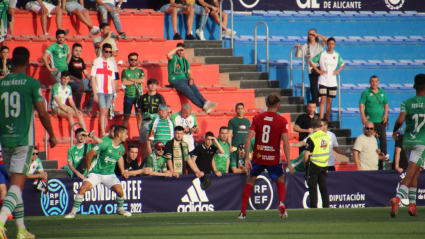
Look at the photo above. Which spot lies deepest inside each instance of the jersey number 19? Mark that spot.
(12, 104)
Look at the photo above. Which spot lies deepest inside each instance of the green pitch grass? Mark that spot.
(301, 223)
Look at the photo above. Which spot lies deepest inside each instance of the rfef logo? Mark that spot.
(55, 201)
(195, 200)
(262, 197)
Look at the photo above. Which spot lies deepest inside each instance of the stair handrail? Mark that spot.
(267, 43)
(231, 20)
(339, 98)
(46, 148)
(72, 130)
(302, 67)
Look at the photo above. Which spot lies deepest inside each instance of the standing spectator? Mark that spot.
(161, 129)
(76, 152)
(175, 7)
(77, 81)
(317, 151)
(45, 8)
(180, 77)
(132, 79)
(105, 6)
(238, 127)
(148, 106)
(59, 55)
(177, 153)
(303, 123)
(104, 91)
(373, 107)
(82, 14)
(365, 148)
(312, 48)
(400, 159)
(131, 165)
(6, 63)
(328, 62)
(110, 135)
(214, 8)
(98, 42)
(157, 162)
(203, 155)
(187, 120)
(222, 161)
(61, 92)
(333, 145)
(237, 159)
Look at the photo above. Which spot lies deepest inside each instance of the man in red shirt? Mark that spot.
(270, 128)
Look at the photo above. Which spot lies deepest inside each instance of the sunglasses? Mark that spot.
(243, 150)
(170, 112)
(133, 59)
(160, 149)
(34, 153)
(321, 125)
(163, 108)
(108, 52)
(368, 128)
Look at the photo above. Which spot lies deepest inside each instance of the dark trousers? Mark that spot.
(318, 175)
(314, 88)
(331, 168)
(380, 129)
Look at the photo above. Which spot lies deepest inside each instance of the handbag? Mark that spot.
(383, 109)
(82, 167)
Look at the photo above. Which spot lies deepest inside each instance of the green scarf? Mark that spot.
(177, 71)
(180, 154)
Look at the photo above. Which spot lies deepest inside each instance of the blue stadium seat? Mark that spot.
(237, 39)
(380, 40)
(278, 37)
(353, 65)
(305, 12)
(385, 37)
(247, 36)
(419, 60)
(269, 15)
(391, 61)
(293, 37)
(370, 65)
(405, 61)
(409, 85)
(350, 41)
(335, 12)
(421, 15)
(355, 37)
(321, 12)
(370, 37)
(374, 61)
(381, 12)
(376, 15)
(262, 61)
(348, 112)
(386, 65)
(404, 15)
(365, 41)
(401, 37)
(417, 65)
(335, 110)
(400, 86)
(395, 40)
(397, 109)
(300, 16)
(331, 16)
(283, 62)
(359, 61)
(360, 15)
(411, 40)
(347, 86)
(299, 86)
(366, 12)
(258, 12)
(346, 16)
(283, 15)
(290, 12)
(357, 110)
(274, 12)
(389, 135)
(302, 41)
(393, 112)
(410, 12)
(350, 12)
(340, 37)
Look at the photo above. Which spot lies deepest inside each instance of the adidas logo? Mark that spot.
(194, 199)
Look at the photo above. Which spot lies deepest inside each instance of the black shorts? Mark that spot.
(117, 76)
(329, 92)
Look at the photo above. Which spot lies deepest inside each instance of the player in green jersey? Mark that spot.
(109, 154)
(413, 112)
(19, 96)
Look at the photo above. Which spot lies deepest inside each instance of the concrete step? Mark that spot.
(238, 68)
(224, 60)
(264, 92)
(346, 140)
(292, 108)
(291, 100)
(249, 76)
(50, 164)
(341, 132)
(203, 44)
(213, 52)
(253, 84)
(57, 173)
(334, 124)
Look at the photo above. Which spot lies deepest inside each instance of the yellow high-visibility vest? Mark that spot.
(320, 154)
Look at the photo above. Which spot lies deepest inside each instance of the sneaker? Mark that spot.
(412, 210)
(94, 31)
(200, 34)
(394, 206)
(66, 31)
(190, 37)
(70, 215)
(283, 212)
(177, 37)
(3, 233)
(24, 234)
(123, 35)
(124, 213)
(87, 109)
(242, 216)
(210, 106)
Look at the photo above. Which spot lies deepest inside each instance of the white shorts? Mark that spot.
(35, 7)
(108, 180)
(17, 159)
(12, 3)
(415, 153)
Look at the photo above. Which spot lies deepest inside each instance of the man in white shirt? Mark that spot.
(187, 120)
(102, 78)
(328, 62)
(365, 152)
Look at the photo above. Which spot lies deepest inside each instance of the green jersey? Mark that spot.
(18, 93)
(298, 163)
(415, 119)
(157, 165)
(162, 132)
(108, 156)
(105, 138)
(177, 68)
(374, 111)
(236, 161)
(239, 129)
(58, 55)
(221, 159)
(131, 90)
(75, 154)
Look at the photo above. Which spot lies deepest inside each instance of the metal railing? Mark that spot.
(45, 134)
(231, 21)
(339, 98)
(267, 43)
(72, 130)
(303, 69)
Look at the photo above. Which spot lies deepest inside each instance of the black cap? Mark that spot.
(205, 182)
(241, 146)
(420, 79)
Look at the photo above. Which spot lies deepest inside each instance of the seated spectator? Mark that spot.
(76, 152)
(203, 155)
(132, 80)
(180, 77)
(6, 62)
(45, 8)
(131, 164)
(12, 7)
(105, 6)
(59, 55)
(175, 7)
(102, 79)
(77, 81)
(400, 159)
(177, 153)
(222, 161)
(238, 127)
(214, 12)
(105, 38)
(82, 14)
(2, 74)
(161, 129)
(187, 120)
(365, 150)
(36, 165)
(237, 159)
(157, 162)
(61, 92)
(148, 107)
(170, 111)
(110, 135)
